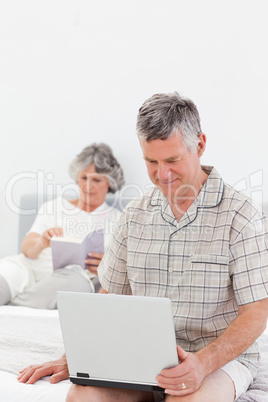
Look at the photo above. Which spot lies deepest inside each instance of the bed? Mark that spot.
(32, 336)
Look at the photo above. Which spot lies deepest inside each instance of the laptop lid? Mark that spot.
(116, 340)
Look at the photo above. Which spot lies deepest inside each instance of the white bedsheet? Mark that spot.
(29, 336)
(42, 391)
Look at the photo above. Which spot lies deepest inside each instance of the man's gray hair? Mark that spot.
(165, 114)
(104, 161)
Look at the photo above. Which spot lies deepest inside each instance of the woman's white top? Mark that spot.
(75, 222)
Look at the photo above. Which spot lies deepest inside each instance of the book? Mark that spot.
(69, 250)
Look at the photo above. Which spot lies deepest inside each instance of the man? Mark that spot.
(196, 240)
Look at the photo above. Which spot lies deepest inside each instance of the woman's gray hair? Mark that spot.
(165, 114)
(104, 161)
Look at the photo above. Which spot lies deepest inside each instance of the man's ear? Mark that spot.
(201, 145)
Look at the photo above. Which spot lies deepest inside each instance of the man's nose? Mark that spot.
(163, 172)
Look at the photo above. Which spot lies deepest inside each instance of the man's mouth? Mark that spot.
(165, 183)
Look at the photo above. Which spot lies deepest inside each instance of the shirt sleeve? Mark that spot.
(110, 226)
(43, 220)
(249, 255)
(112, 270)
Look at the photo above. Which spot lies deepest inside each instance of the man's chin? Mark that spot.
(168, 192)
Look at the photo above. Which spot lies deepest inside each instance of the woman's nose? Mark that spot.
(89, 184)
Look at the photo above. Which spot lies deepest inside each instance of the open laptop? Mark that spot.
(115, 340)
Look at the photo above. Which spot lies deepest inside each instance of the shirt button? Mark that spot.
(175, 238)
(170, 269)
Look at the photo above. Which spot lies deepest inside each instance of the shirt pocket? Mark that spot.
(210, 259)
(208, 280)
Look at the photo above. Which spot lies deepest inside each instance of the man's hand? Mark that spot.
(93, 262)
(183, 379)
(58, 370)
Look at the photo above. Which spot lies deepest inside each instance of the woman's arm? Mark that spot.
(34, 243)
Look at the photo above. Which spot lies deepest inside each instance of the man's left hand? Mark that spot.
(185, 378)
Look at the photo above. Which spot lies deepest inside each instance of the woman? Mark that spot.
(28, 279)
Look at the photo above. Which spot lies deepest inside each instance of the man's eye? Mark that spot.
(174, 161)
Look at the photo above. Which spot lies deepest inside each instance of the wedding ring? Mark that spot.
(183, 386)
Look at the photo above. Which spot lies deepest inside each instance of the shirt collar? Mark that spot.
(212, 191)
(209, 196)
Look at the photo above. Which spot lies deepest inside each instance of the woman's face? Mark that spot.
(93, 188)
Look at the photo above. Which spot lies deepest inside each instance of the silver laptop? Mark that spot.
(117, 341)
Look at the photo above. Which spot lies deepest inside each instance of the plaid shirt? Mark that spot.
(210, 262)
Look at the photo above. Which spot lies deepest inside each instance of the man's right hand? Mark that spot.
(57, 369)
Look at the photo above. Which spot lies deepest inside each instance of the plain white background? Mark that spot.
(74, 72)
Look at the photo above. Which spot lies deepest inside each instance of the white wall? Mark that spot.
(74, 72)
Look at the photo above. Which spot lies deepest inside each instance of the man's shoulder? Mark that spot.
(240, 202)
(230, 198)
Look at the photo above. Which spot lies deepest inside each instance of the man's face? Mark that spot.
(172, 167)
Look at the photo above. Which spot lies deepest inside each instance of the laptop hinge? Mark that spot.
(85, 375)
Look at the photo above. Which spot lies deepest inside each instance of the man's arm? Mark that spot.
(241, 333)
(103, 291)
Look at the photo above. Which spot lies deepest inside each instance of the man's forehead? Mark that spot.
(170, 148)
(168, 158)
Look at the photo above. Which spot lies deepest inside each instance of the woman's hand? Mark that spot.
(58, 370)
(48, 234)
(93, 262)
(34, 243)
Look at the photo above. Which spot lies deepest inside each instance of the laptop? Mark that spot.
(117, 341)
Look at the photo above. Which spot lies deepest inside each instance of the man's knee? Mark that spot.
(102, 394)
(216, 387)
(187, 398)
(73, 393)
(70, 395)
(83, 393)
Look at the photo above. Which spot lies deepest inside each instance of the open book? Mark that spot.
(68, 250)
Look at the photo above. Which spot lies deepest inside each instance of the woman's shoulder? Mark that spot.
(109, 211)
(57, 203)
